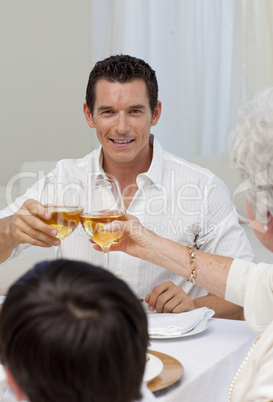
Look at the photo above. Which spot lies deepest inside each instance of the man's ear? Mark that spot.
(157, 114)
(88, 116)
(19, 393)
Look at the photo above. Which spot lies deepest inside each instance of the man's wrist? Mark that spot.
(8, 237)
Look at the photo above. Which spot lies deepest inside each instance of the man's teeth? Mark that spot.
(122, 142)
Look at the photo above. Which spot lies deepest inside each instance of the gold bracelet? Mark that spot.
(192, 265)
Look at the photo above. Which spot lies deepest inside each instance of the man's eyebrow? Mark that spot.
(102, 108)
(137, 107)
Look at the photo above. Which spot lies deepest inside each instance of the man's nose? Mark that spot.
(122, 126)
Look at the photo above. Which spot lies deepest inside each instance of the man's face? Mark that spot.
(122, 118)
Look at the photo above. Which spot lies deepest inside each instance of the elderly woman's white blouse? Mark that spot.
(251, 285)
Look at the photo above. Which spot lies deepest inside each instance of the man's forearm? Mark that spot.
(222, 308)
(7, 244)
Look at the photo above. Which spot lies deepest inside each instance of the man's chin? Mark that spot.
(119, 158)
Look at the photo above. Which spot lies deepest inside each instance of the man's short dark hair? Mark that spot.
(73, 332)
(122, 68)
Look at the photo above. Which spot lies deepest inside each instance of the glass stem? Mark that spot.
(57, 252)
(106, 256)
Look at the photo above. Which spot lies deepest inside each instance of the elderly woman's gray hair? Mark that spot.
(251, 141)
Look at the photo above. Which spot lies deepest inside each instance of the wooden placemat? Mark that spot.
(172, 372)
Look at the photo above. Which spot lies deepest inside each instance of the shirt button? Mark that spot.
(120, 274)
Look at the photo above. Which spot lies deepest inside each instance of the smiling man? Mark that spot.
(174, 198)
(123, 117)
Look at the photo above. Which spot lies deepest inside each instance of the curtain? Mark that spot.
(201, 52)
(258, 45)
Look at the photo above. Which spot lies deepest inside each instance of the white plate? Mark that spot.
(153, 368)
(199, 328)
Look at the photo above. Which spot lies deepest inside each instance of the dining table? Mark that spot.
(209, 360)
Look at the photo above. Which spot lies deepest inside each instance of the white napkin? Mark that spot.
(177, 324)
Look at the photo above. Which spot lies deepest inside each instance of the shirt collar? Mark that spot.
(154, 173)
(100, 173)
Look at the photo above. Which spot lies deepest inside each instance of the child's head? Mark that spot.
(70, 331)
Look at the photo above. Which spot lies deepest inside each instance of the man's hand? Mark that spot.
(169, 298)
(26, 226)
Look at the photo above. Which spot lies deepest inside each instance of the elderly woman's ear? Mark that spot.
(269, 224)
(264, 231)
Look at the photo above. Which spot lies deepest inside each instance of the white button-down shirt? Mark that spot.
(176, 199)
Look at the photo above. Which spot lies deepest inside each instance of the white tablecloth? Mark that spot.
(210, 361)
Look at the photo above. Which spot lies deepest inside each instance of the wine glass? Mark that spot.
(104, 204)
(63, 197)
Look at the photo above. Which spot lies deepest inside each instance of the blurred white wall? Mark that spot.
(45, 60)
(209, 56)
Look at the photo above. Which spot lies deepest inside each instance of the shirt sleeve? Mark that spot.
(251, 285)
(34, 192)
(221, 232)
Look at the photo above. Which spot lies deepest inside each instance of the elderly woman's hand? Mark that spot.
(134, 239)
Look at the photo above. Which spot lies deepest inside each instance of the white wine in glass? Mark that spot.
(64, 219)
(63, 197)
(104, 205)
